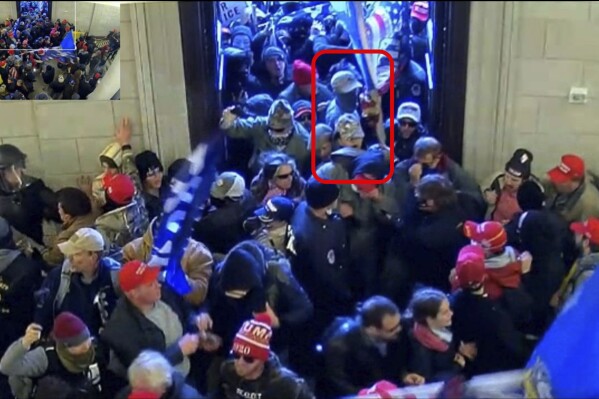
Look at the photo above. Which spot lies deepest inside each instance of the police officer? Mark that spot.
(319, 258)
(25, 201)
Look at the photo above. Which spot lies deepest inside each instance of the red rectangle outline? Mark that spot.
(391, 117)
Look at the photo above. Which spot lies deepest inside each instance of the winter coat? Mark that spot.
(477, 319)
(275, 382)
(196, 263)
(19, 278)
(280, 290)
(256, 130)
(129, 332)
(495, 183)
(353, 360)
(503, 270)
(221, 228)
(577, 206)
(26, 208)
(52, 255)
(93, 303)
(434, 365)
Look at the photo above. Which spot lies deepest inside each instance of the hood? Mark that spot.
(508, 256)
(7, 256)
(244, 267)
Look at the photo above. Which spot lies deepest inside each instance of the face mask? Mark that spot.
(278, 138)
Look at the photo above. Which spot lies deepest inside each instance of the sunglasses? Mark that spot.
(407, 123)
(247, 359)
(283, 177)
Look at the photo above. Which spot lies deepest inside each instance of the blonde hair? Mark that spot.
(151, 371)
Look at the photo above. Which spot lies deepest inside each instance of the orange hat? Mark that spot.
(490, 235)
(572, 167)
(588, 228)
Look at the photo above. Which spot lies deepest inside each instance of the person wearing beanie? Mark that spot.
(279, 176)
(197, 261)
(241, 37)
(253, 279)
(302, 113)
(301, 89)
(501, 189)
(277, 131)
(324, 144)
(478, 319)
(151, 176)
(86, 283)
(20, 276)
(570, 191)
(151, 376)
(276, 75)
(258, 105)
(124, 218)
(504, 265)
(70, 353)
(221, 226)
(319, 255)
(254, 372)
(359, 351)
(149, 316)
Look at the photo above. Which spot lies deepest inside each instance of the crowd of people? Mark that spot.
(299, 289)
(28, 72)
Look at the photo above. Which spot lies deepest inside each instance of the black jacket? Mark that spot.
(276, 382)
(178, 390)
(81, 299)
(281, 290)
(431, 243)
(433, 365)
(477, 319)
(26, 208)
(19, 278)
(320, 260)
(129, 332)
(353, 361)
(221, 228)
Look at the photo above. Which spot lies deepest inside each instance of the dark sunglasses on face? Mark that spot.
(283, 177)
(247, 359)
(407, 123)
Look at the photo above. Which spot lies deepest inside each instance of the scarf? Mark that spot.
(429, 339)
(75, 363)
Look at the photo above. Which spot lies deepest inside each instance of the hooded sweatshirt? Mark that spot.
(503, 271)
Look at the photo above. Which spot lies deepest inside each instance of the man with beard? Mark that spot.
(277, 131)
(366, 349)
(500, 193)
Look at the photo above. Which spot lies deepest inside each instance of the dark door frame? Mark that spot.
(452, 22)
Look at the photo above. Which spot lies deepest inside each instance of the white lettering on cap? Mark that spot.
(141, 269)
(564, 168)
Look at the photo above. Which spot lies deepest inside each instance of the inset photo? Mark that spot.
(59, 50)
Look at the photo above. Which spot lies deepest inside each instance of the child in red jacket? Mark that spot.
(503, 264)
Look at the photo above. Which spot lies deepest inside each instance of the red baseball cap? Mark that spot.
(571, 167)
(490, 235)
(383, 389)
(364, 188)
(120, 188)
(470, 266)
(135, 273)
(588, 228)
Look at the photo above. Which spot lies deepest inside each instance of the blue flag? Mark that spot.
(66, 52)
(189, 190)
(566, 362)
